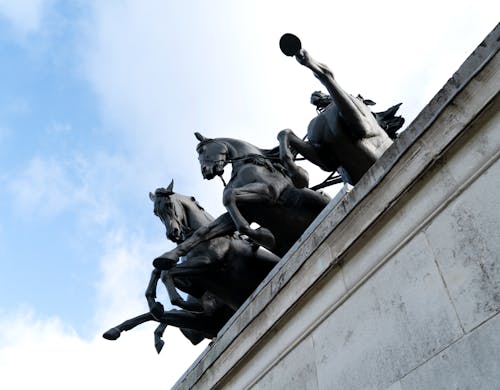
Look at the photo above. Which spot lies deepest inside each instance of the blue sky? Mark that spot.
(98, 104)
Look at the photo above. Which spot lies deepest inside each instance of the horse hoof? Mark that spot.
(112, 334)
(159, 345)
(164, 263)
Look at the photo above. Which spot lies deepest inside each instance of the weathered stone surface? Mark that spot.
(465, 239)
(473, 363)
(282, 339)
(396, 320)
(296, 371)
(372, 282)
(395, 386)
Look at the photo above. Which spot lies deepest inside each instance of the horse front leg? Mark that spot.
(299, 176)
(114, 333)
(221, 226)
(158, 334)
(251, 193)
(151, 289)
(207, 322)
(309, 152)
(155, 308)
(353, 111)
(175, 297)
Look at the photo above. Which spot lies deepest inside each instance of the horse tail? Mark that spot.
(389, 121)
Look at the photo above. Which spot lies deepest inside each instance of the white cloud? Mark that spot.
(125, 269)
(43, 188)
(47, 353)
(25, 16)
(162, 72)
(85, 185)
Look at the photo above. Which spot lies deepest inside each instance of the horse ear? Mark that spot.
(199, 137)
(152, 196)
(170, 187)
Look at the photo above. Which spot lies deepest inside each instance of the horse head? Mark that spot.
(212, 155)
(169, 208)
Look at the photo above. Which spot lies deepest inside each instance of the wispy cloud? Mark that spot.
(43, 188)
(160, 71)
(25, 16)
(55, 354)
(125, 270)
(47, 353)
(46, 187)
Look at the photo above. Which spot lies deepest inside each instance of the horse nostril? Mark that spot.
(173, 234)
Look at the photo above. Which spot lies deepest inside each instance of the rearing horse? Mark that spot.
(203, 314)
(229, 267)
(259, 191)
(345, 136)
(218, 274)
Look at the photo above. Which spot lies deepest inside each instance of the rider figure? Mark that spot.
(346, 136)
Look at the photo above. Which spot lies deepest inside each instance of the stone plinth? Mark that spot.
(396, 285)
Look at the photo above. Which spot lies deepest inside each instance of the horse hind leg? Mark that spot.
(175, 298)
(221, 226)
(251, 193)
(115, 332)
(159, 343)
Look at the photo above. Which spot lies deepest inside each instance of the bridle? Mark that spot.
(186, 230)
(251, 157)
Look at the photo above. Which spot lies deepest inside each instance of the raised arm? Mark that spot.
(354, 112)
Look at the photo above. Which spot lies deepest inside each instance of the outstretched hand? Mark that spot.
(321, 71)
(303, 57)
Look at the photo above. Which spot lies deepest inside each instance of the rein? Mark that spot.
(252, 158)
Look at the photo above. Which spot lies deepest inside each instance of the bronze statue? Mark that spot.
(229, 267)
(345, 136)
(218, 274)
(223, 260)
(260, 191)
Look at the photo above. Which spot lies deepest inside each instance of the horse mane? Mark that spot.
(197, 204)
(387, 119)
(270, 154)
(163, 192)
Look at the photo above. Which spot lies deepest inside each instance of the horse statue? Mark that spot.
(259, 191)
(345, 136)
(217, 274)
(196, 326)
(230, 267)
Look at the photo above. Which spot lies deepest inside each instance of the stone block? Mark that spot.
(473, 363)
(296, 371)
(396, 320)
(465, 240)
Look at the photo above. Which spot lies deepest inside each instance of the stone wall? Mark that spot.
(396, 285)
